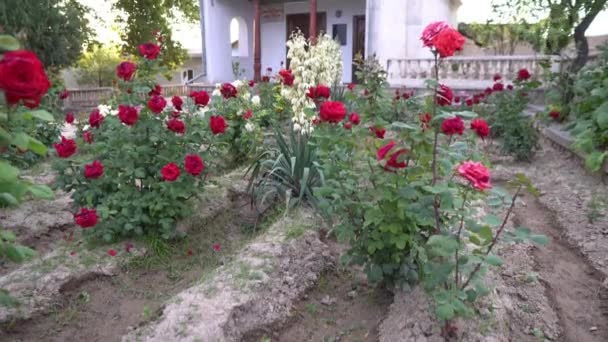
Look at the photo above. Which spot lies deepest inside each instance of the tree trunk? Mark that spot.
(582, 46)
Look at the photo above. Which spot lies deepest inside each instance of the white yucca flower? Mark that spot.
(255, 100)
(249, 127)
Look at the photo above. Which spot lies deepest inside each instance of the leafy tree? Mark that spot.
(144, 18)
(502, 38)
(561, 21)
(55, 30)
(97, 66)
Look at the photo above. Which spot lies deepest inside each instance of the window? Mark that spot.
(239, 37)
(187, 75)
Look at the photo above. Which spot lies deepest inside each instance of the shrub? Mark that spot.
(132, 171)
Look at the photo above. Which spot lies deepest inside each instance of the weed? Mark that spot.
(312, 309)
(597, 207)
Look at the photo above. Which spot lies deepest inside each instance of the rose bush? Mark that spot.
(138, 161)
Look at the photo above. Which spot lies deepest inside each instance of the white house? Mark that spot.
(390, 29)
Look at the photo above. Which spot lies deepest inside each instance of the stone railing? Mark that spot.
(466, 72)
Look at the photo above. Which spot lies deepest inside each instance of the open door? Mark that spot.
(358, 41)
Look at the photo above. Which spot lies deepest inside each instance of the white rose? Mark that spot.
(249, 127)
(255, 100)
(201, 112)
(216, 92)
(237, 83)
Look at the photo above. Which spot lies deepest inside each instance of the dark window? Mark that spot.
(339, 33)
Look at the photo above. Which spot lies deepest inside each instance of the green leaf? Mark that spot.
(601, 116)
(445, 312)
(539, 239)
(492, 220)
(398, 124)
(41, 114)
(467, 114)
(595, 160)
(8, 43)
(41, 191)
(37, 147)
(7, 235)
(8, 173)
(493, 260)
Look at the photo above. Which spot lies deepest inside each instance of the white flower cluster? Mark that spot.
(106, 110)
(310, 65)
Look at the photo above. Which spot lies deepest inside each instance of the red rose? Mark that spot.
(66, 147)
(201, 98)
(378, 131)
(95, 118)
(125, 70)
(554, 114)
(216, 247)
(112, 252)
(149, 50)
(315, 121)
(265, 79)
(157, 104)
(170, 172)
(69, 118)
(351, 86)
(452, 126)
(431, 31)
(393, 160)
(128, 115)
(348, 125)
(93, 170)
(383, 151)
(457, 99)
(510, 87)
(86, 218)
(251, 83)
(228, 90)
(177, 102)
(319, 91)
(332, 111)
(476, 173)
(488, 91)
(447, 42)
(248, 114)
(354, 118)
(523, 74)
(469, 102)
(217, 123)
(287, 77)
(193, 164)
(497, 77)
(444, 95)
(88, 137)
(157, 90)
(176, 125)
(64, 94)
(176, 114)
(23, 78)
(425, 120)
(498, 86)
(480, 126)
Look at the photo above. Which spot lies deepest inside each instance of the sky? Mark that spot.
(190, 35)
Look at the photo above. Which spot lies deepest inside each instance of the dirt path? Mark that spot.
(572, 285)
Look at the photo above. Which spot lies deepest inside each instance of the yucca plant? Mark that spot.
(289, 172)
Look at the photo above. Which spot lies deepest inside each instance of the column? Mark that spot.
(313, 21)
(257, 47)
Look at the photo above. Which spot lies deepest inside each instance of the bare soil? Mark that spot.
(106, 308)
(572, 284)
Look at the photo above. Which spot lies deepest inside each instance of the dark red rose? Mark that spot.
(149, 50)
(523, 74)
(318, 92)
(217, 123)
(498, 86)
(23, 78)
(469, 102)
(157, 104)
(125, 70)
(453, 126)
(480, 126)
(315, 121)
(265, 79)
(177, 102)
(488, 91)
(64, 94)
(128, 115)
(93, 170)
(554, 114)
(425, 120)
(87, 137)
(287, 77)
(69, 118)
(157, 90)
(497, 77)
(510, 87)
(354, 118)
(332, 111)
(176, 125)
(170, 172)
(447, 42)
(201, 98)
(348, 125)
(216, 247)
(352, 86)
(378, 131)
(86, 218)
(128, 247)
(444, 95)
(393, 159)
(457, 99)
(176, 114)
(248, 114)
(251, 83)
(95, 118)
(112, 252)
(193, 164)
(228, 90)
(66, 147)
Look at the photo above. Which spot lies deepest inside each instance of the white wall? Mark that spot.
(218, 14)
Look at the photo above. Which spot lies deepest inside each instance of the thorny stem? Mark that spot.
(495, 239)
(435, 139)
(464, 201)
